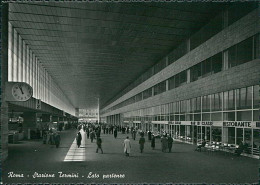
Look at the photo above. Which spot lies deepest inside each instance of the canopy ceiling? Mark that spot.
(95, 50)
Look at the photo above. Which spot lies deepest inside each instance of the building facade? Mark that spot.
(207, 88)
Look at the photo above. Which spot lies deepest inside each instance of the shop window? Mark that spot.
(248, 141)
(206, 117)
(198, 104)
(183, 105)
(244, 98)
(217, 102)
(239, 136)
(197, 117)
(256, 141)
(256, 97)
(206, 103)
(256, 116)
(229, 116)
(189, 117)
(216, 116)
(244, 115)
(182, 117)
(231, 135)
(172, 117)
(177, 118)
(216, 134)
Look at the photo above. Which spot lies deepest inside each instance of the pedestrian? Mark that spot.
(127, 146)
(115, 133)
(141, 143)
(79, 138)
(99, 143)
(134, 134)
(149, 135)
(92, 136)
(164, 142)
(153, 142)
(57, 139)
(88, 133)
(170, 141)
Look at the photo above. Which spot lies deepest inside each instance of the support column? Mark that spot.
(30, 119)
(4, 78)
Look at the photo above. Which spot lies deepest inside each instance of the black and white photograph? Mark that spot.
(130, 92)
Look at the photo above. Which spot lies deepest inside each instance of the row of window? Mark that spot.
(244, 52)
(238, 104)
(234, 13)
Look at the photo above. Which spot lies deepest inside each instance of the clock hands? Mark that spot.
(21, 89)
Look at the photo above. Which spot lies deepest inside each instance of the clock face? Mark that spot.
(21, 91)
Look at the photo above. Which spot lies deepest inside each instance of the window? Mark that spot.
(172, 82)
(206, 103)
(256, 96)
(195, 72)
(216, 63)
(206, 67)
(244, 98)
(240, 53)
(147, 93)
(217, 102)
(159, 88)
(182, 77)
(244, 116)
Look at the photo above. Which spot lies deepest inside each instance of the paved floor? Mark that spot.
(183, 165)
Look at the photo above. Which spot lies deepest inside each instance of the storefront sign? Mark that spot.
(237, 124)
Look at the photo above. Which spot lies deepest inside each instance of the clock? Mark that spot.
(21, 91)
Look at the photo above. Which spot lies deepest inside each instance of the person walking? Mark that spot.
(127, 146)
(92, 135)
(57, 139)
(99, 144)
(88, 133)
(153, 142)
(79, 138)
(141, 143)
(170, 141)
(115, 133)
(134, 134)
(164, 143)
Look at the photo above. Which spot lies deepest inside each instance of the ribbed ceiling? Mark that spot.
(97, 49)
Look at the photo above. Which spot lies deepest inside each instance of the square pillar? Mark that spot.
(30, 119)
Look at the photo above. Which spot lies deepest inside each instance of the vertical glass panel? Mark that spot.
(197, 117)
(216, 134)
(244, 115)
(239, 136)
(231, 135)
(231, 100)
(245, 51)
(256, 96)
(256, 115)
(229, 116)
(256, 141)
(248, 141)
(206, 117)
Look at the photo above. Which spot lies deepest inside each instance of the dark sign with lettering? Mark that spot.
(237, 124)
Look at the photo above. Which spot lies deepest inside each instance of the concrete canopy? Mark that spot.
(95, 50)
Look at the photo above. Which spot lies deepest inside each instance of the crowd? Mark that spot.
(93, 131)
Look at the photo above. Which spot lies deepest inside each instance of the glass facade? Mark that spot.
(24, 66)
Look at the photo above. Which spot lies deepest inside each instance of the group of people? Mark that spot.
(166, 143)
(93, 132)
(51, 137)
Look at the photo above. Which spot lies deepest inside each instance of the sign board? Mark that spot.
(38, 104)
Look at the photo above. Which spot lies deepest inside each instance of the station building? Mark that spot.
(206, 88)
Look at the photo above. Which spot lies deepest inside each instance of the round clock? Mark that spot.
(22, 91)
